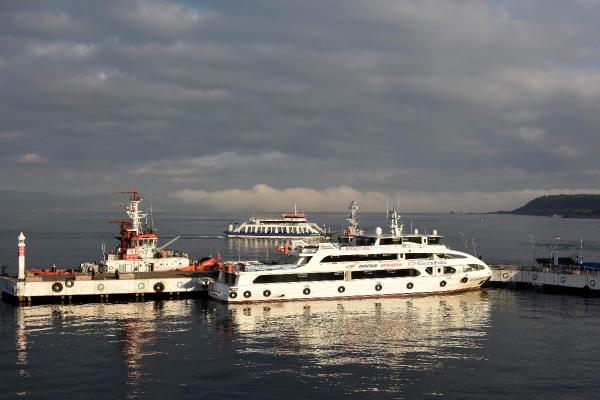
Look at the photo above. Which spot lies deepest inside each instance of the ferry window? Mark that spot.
(383, 273)
(412, 256)
(414, 239)
(304, 260)
(228, 278)
(360, 257)
(281, 278)
(476, 266)
(429, 270)
(434, 240)
(449, 270)
(365, 241)
(390, 241)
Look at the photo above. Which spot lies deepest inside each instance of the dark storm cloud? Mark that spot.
(425, 97)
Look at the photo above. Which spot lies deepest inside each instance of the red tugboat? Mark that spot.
(138, 249)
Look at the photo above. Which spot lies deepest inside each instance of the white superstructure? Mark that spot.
(289, 226)
(393, 264)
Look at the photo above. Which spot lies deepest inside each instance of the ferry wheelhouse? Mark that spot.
(138, 249)
(289, 226)
(377, 265)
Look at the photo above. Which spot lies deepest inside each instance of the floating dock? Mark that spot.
(104, 286)
(573, 279)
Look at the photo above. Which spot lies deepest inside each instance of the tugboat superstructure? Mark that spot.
(352, 230)
(377, 265)
(289, 226)
(138, 249)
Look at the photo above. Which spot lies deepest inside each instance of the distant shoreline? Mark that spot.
(561, 206)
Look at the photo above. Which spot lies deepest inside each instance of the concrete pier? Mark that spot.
(34, 288)
(569, 279)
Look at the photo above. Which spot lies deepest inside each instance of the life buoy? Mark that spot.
(159, 287)
(306, 291)
(505, 275)
(534, 277)
(443, 283)
(267, 293)
(592, 283)
(247, 294)
(69, 282)
(378, 287)
(409, 285)
(57, 287)
(563, 279)
(232, 295)
(464, 280)
(341, 289)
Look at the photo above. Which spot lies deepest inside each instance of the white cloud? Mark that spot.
(531, 134)
(62, 50)
(216, 162)
(567, 152)
(336, 199)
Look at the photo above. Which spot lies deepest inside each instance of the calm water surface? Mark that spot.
(492, 344)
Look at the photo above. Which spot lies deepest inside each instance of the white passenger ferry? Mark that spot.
(377, 265)
(289, 226)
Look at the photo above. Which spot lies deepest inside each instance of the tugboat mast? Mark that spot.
(134, 212)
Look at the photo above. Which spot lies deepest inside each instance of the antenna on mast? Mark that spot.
(387, 207)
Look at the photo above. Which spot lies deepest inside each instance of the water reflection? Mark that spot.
(88, 335)
(414, 333)
(21, 343)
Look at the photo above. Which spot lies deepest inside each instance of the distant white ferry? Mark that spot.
(377, 265)
(289, 226)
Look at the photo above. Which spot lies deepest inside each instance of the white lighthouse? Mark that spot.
(21, 247)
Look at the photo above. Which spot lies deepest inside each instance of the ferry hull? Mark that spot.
(344, 289)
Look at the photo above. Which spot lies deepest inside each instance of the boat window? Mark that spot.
(282, 278)
(304, 260)
(390, 241)
(226, 277)
(449, 270)
(414, 239)
(360, 257)
(365, 241)
(412, 256)
(476, 267)
(429, 270)
(385, 273)
(434, 239)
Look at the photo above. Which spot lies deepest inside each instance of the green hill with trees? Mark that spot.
(564, 205)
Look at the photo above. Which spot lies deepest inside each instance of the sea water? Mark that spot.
(492, 344)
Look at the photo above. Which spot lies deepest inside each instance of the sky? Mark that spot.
(257, 105)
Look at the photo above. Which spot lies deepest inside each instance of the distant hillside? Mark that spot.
(564, 205)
